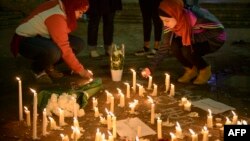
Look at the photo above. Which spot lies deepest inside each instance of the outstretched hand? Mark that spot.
(145, 73)
(86, 74)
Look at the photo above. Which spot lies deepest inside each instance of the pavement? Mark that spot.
(229, 85)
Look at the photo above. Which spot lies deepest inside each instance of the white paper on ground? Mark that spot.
(128, 128)
(215, 106)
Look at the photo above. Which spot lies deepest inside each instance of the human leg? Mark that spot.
(108, 31)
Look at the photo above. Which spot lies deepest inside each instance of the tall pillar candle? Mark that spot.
(194, 136)
(178, 130)
(20, 98)
(150, 82)
(204, 134)
(139, 131)
(112, 102)
(209, 119)
(122, 100)
(154, 93)
(235, 118)
(34, 129)
(114, 125)
(152, 119)
(159, 128)
(45, 123)
(172, 90)
(134, 80)
(27, 112)
(61, 117)
(94, 102)
(127, 90)
(98, 135)
(167, 82)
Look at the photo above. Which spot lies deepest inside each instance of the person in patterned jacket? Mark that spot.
(190, 33)
(44, 37)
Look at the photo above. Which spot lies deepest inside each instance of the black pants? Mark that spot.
(149, 10)
(192, 56)
(108, 28)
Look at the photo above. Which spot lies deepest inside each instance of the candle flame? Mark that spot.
(191, 131)
(62, 135)
(44, 109)
(109, 133)
(210, 112)
(172, 135)
(178, 125)
(97, 130)
(18, 79)
(137, 138)
(33, 91)
(205, 128)
(150, 100)
(244, 122)
(132, 70)
(119, 90)
(233, 113)
(25, 108)
(107, 111)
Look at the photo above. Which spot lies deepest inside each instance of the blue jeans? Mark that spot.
(44, 52)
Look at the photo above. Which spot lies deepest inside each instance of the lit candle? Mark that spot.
(61, 117)
(154, 93)
(209, 119)
(27, 112)
(122, 100)
(139, 131)
(173, 136)
(134, 80)
(235, 118)
(75, 122)
(98, 135)
(187, 106)
(94, 102)
(172, 90)
(167, 82)
(111, 138)
(20, 96)
(34, 135)
(74, 107)
(53, 125)
(127, 90)
(183, 101)
(102, 120)
(228, 122)
(112, 102)
(45, 122)
(152, 119)
(64, 138)
(108, 95)
(109, 121)
(141, 90)
(114, 125)
(159, 128)
(76, 133)
(96, 111)
(178, 130)
(205, 134)
(150, 82)
(194, 136)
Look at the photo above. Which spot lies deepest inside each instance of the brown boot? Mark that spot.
(204, 76)
(188, 75)
(53, 73)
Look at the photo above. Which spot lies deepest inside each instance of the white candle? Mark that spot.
(98, 135)
(109, 120)
(27, 112)
(159, 128)
(34, 135)
(134, 80)
(150, 82)
(187, 106)
(183, 101)
(114, 125)
(178, 130)
(45, 123)
(127, 90)
(235, 118)
(74, 107)
(194, 136)
(76, 133)
(173, 136)
(20, 98)
(61, 117)
(64, 138)
(141, 90)
(75, 122)
(228, 122)
(154, 93)
(112, 102)
(152, 119)
(108, 94)
(205, 134)
(53, 125)
(167, 81)
(94, 102)
(111, 138)
(172, 90)
(209, 119)
(96, 111)
(122, 100)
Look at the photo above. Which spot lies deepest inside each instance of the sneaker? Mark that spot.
(53, 73)
(143, 52)
(152, 53)
(43, 78)
(94, 54)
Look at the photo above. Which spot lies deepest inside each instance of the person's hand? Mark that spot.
(145, 73)
(86, 74)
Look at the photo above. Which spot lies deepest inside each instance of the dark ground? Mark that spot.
(230, 85)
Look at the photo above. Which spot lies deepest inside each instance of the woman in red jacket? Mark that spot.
(44, 38)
